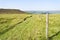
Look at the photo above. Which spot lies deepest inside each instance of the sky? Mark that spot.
(27, 5)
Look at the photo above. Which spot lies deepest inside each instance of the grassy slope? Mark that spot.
(28, 26)
(54, 26)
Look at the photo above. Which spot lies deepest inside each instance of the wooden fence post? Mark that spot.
(47, 24)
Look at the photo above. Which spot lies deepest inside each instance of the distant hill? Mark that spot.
(39, 12)
(11, 11)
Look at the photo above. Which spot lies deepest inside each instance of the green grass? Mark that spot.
(28, 26)
(54, 26)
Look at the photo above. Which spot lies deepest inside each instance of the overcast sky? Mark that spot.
(31, 4)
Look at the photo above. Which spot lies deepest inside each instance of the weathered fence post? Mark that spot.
(47, 24)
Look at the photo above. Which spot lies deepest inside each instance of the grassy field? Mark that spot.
(29, 26)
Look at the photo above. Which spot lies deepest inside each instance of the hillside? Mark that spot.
(22, 27)
(11, 11)
(28, 26)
